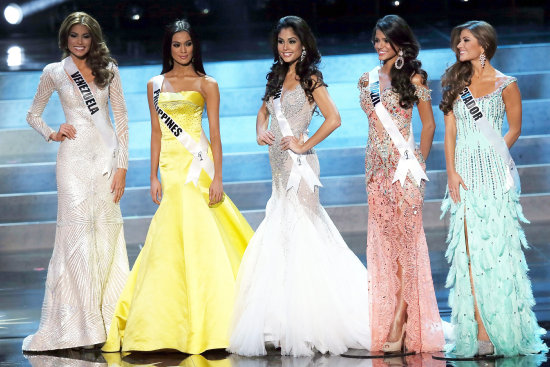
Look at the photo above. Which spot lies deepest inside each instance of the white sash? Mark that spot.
(199, 149)
(407, 159)
(494, 138)
(103, 126)
(300, 166)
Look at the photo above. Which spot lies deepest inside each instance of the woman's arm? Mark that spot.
(453, 178)
(44, 91)
(426, 116)
(212, 95)
(156, 189)
(121, 125)
(331, 123)
(263, 136)
(512, 100)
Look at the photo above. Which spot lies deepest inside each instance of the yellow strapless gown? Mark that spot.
(179, 294)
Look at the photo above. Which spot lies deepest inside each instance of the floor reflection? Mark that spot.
(75, 358)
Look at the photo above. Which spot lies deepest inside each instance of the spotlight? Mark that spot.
(135, 12)
(15, 56)
(396, 3)
(203, 6)
(13, 13)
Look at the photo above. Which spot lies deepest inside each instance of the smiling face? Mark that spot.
(289, 45)
(79, 40)
(468, 47)
(383, 46)
(182, 48)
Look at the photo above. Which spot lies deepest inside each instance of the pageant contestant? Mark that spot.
(180, 292)
(490, 294)
(403, 305)
(300, 287)
(89, 265)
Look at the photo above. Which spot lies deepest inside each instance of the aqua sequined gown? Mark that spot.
(495, 238)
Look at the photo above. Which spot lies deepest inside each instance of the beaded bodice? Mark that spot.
(476, 161)
(298, 112)
(381, 152)
(185, 108)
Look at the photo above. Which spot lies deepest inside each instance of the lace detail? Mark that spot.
(495, 239)
(395, 234)
(89, 264)
(294, 260)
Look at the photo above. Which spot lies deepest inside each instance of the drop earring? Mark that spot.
(400, 61)
(303, 56)
(482, 60)
(280, 60)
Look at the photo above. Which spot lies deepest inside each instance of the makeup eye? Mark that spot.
(176, 44)
(87, 36)
(280, 41)
(188, 44)
(73, 35)
(292, 42)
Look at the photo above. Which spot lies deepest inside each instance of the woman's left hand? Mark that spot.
(290, 142)
(216, 192)
(118, 184)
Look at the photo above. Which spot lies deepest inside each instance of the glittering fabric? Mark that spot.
(395, 233)
(492, 216)
(299, 285)
(89, 264)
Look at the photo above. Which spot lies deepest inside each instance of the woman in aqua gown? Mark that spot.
(179, 294)
(490, 295)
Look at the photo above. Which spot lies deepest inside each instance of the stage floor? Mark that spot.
(24, 273)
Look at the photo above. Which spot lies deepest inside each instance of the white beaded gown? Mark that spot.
(299, 286)
(89, 265)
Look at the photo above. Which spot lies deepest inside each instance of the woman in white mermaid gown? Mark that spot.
(299, 286)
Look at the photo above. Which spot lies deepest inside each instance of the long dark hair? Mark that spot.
(181, 25)
(99, 57)
(305, 68)
(401, 37)
(459, 75)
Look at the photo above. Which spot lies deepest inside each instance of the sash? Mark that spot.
(494, 138)
(103, 126)
(407, 159)
(199, 149)
(300, 166)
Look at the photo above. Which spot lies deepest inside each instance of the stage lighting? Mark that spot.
(15, 56)
(135, 12)
(13, 14)
(395, 3)
(203, 6)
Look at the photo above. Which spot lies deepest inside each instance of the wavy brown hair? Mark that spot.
(98, 58)
(305, 68)
(401, 37)
(459, 75)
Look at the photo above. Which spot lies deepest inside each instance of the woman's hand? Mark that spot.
(118, 184)
(216, 191)
(290, 142)
(65, 130)
(265, 137)
(453, 182)
(156, 190)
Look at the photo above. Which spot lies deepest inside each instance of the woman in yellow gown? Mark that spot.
(180, 292)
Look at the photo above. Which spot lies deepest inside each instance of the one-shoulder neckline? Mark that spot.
(187, 91)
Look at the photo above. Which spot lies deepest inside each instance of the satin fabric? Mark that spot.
(180, 292)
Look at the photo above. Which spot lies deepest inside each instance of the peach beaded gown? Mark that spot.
(396, 234)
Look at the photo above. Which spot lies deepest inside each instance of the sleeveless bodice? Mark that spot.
(381, 152)
(185, 108)
(476, 161)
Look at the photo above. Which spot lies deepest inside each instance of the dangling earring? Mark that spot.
(482, 60)
(280, 60)
(400, 61)
(303, 56)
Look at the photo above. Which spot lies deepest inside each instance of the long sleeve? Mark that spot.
(120, 113)
(46, 86)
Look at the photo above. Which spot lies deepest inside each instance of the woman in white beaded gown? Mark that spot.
(299, 286)
(89, 264)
